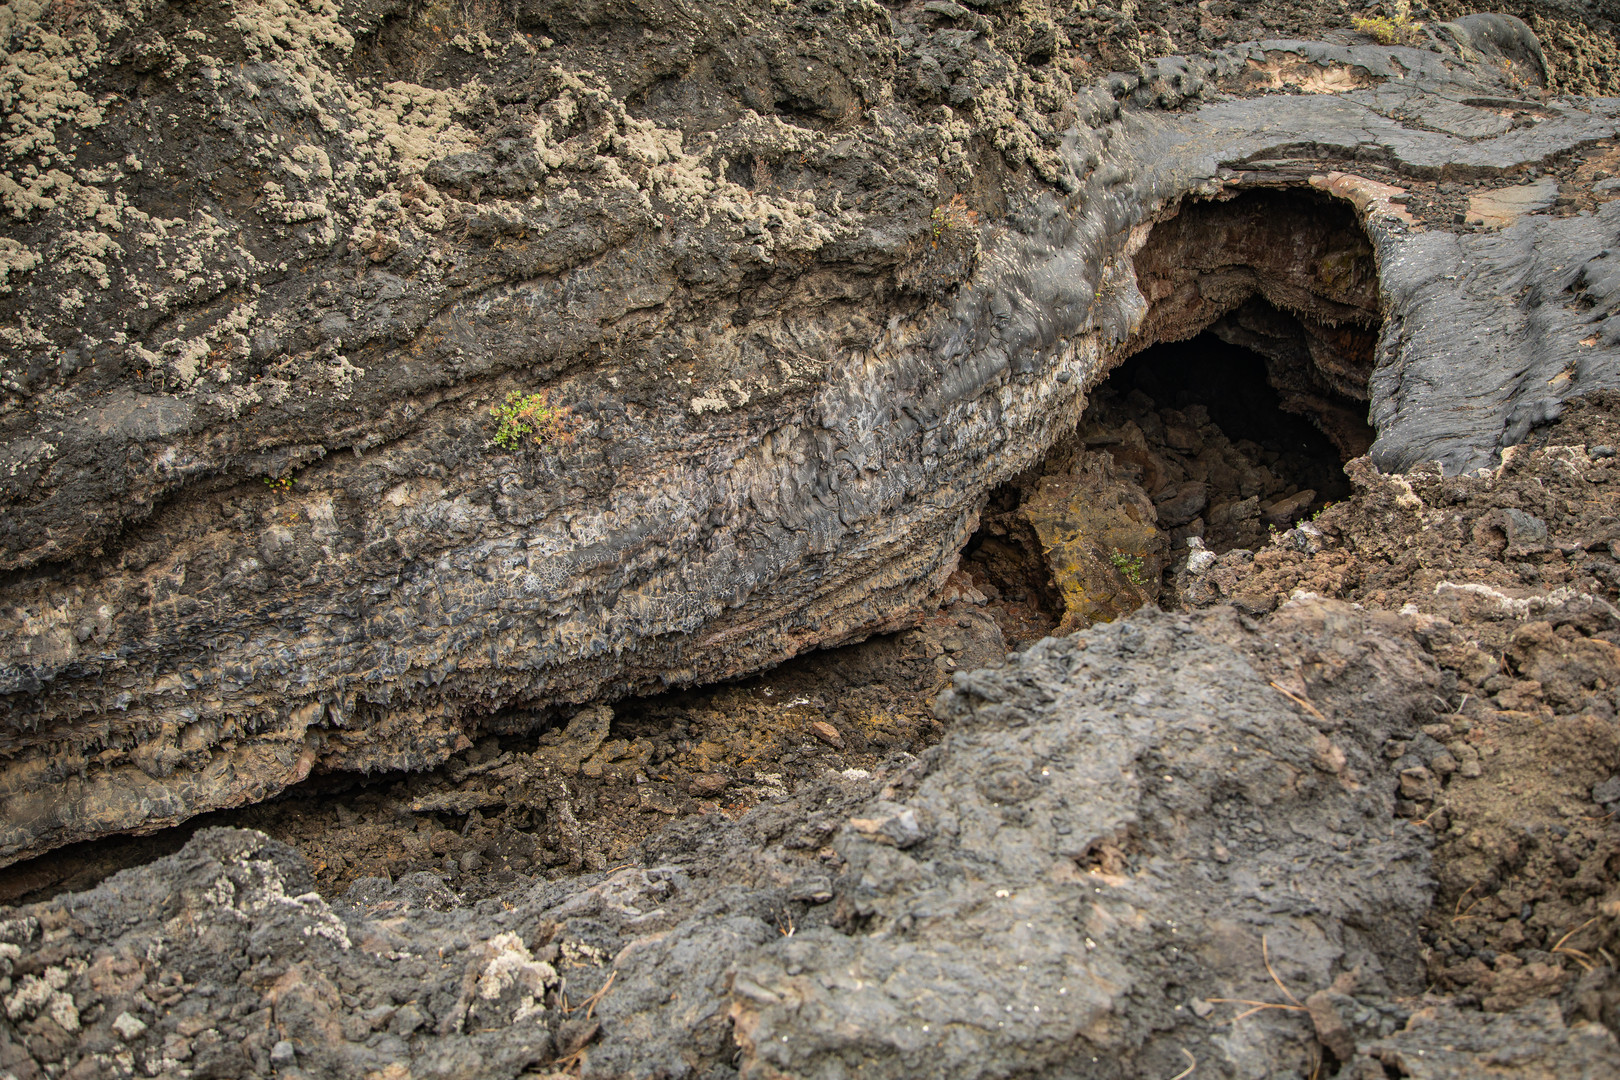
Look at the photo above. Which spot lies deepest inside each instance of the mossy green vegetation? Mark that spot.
(1387, 30)
(531, 417)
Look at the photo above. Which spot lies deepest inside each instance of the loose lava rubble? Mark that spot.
(1212, 729)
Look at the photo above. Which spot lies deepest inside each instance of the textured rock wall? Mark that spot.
(313, 245)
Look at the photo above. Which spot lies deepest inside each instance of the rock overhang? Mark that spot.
(794, 480)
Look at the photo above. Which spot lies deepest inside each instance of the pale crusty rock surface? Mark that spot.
(316, 242)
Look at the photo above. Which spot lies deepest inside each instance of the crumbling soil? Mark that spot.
(1511, 576)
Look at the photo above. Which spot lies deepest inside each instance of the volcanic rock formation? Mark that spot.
(798, 359)
(1129, 838)
(829, 295)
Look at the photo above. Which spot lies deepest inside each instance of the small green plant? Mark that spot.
(952, 216)
(1385, 29)
(1129, 565)
(279, 483)
(1325, 508)
(532, 417)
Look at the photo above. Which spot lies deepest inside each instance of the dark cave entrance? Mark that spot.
(1199, 430)
(1224, 461)
(1229, 418)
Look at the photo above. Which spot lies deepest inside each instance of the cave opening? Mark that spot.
(1228, 417)
(1192, 436)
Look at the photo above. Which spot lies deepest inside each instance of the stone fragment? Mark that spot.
(1326, 755)
(129, 1028)
(583, 735)
(1178, 505)
(1199, 558)
(658, 798)
(1331, 1030)
(406, 1021)
(891, 824)
(705, 785)
(1417, 783)
(1526, 533)
(1285, 510)
(827, 734)
(1102, 546)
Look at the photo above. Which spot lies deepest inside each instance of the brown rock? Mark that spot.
(1103, 550)
(1325, 755)
(1284, 511)
(1180, 504)
(706, 784)
(658, 798)
(827, 734)
(1417, 783)
(1331, 1030)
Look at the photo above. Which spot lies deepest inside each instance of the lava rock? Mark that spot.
(1180, 504)
(283, 458)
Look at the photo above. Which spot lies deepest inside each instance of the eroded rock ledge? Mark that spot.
(799, 363)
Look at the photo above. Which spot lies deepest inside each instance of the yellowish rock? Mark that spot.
(1101, 541)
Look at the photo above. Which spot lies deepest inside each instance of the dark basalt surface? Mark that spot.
(1127, 838)
(826, 287)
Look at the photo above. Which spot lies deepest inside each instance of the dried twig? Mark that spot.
(1430, 815)
(563, 1064)
(596, 997)
(1582, 958)
(1192, 1063)
(1261, 1006)
(1573, 932)
(589, 1004)
(1265, 954)
(1301, 702)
